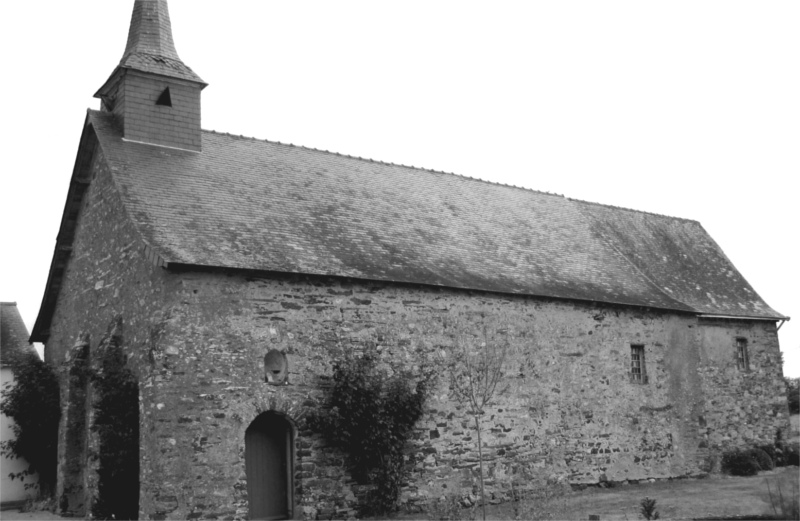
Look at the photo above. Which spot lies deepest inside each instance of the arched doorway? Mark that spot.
(268, 455)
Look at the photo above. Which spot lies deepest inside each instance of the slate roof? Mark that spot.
(13, 335)
(681, 258)
(259, 205)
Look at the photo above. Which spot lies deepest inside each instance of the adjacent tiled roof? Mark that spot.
(13, 335)
(258, 205)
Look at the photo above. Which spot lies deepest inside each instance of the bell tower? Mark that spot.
(153, 95)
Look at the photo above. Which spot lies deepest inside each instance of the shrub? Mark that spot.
(791, 453)
(116, 423)
(370, 415)
(782, 453)
(33, 403)
(739, 463)
(793, 394)
(762, 458)
(648, 509)
(775, 453)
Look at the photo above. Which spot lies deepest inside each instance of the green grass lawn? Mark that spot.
(714, 497)
(717, 496)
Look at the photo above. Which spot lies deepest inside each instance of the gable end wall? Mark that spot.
(107, 275)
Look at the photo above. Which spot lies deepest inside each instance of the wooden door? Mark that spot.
(268, 464)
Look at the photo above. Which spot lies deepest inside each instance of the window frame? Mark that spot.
(742, 354)
(638, 365)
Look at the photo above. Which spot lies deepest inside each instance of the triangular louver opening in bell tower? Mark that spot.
(165, 99)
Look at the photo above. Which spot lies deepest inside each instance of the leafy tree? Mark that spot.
(33, 403)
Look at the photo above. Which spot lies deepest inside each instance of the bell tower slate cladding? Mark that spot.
(149, 73)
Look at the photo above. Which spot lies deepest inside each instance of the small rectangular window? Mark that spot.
(742, 358)
(638, 369)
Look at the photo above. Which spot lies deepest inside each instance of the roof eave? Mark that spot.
(103, 91)
(120, 70)
(79, 183)
(768, 318)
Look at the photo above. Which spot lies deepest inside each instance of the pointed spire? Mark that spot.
(153, 95)
(151, 31)
(150, 45)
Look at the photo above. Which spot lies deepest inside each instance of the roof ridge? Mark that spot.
(633, 210)
(380, 162)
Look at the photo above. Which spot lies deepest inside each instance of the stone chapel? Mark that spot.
(228, 271)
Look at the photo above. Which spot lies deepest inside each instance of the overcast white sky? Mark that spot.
(684, 108)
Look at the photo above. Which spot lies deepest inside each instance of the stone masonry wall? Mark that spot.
(744, 406)
(108, 275)
(569, 413)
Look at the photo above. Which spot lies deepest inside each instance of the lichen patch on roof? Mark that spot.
(249, 204)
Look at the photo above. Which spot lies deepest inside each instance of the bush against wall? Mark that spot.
(739, 463)
(369, 414)
(793, 394)
(762, 458)
(781, 452)
(748, 462)
(116, 424)
(33, 403)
